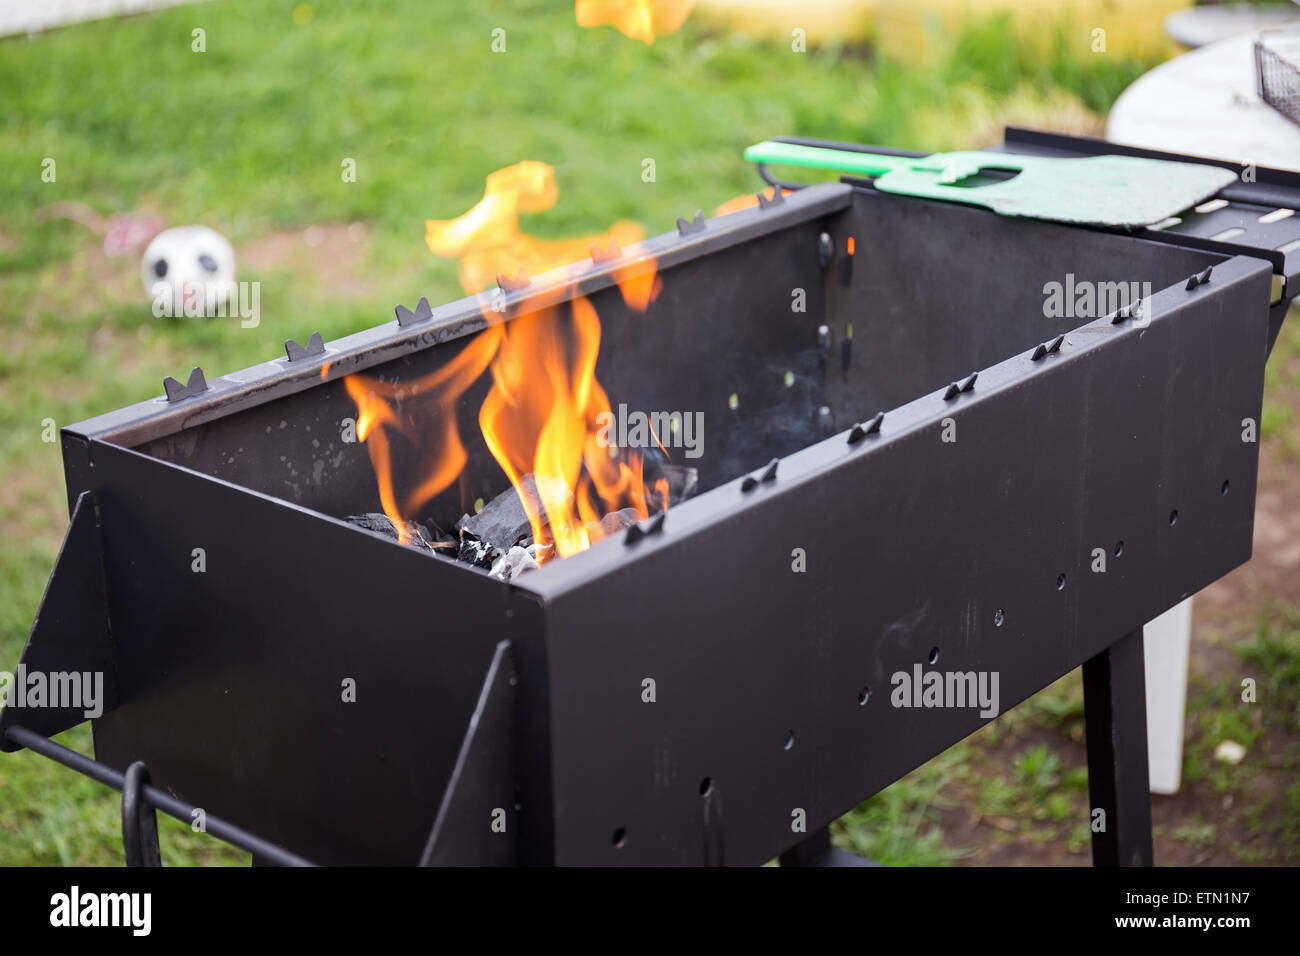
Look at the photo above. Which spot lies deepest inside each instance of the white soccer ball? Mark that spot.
(190, 271)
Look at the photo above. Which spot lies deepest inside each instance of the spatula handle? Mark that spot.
(821, 157)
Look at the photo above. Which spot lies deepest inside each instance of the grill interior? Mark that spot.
(932, 293)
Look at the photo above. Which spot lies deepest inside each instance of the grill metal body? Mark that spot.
(479, 702)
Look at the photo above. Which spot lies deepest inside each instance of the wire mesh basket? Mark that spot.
(1277, 70)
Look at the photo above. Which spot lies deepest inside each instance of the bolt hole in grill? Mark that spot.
(839, 524)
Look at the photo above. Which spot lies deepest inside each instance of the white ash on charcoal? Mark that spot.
(504, 564)
(476, 552)
(414, 533)
(612, 523)
(499, 539)
(503, 522)
(514, 563)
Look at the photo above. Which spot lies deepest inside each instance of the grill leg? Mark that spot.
(816, 850)
(1115, 721)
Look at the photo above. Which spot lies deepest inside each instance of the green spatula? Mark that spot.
(1124, 191)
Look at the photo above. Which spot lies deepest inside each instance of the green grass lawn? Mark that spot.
(249, 137)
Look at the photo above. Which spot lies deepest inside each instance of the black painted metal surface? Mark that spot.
(912, 544)
(70, 634)
(312, 684)
(478, 818)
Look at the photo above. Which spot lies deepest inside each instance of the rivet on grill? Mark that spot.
(520, 281)
(1204, 277)
(296, 353)
(422, 312)
(608, 254)
(643, 528)
(778, 197)
(176, 391)
(824, 339)
(769, 474)
(825, 249)
(689, 228)
(969, 383)
(1192, 282)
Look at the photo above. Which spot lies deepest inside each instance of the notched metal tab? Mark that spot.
(969, 382)
(643, 529)
(176, 391)
(1056, 344)
(778, 197)
(296, 353)
(1193, 281)
(863, 429)
(952, 392)
(406, 317)
(751, 482)
(1204, 277)
(690, 228)
(609, 254)
(517, 284)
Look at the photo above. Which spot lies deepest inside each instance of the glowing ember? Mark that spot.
(639, 19)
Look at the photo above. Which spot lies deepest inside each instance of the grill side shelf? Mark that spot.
(1247, 218)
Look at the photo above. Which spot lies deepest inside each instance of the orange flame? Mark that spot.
(541, 418)
(488, 241)
(380, 408)
(639, 19)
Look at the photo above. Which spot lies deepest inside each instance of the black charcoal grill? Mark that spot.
(500, 722)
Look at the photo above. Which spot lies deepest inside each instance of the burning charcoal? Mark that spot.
(412, 532)
(612, 523)
(476, 552)
(513, 563)
(503, 522)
